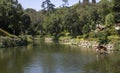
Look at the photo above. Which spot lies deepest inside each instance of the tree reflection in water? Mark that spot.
(56, 58)
(13, 59)
(104, 64)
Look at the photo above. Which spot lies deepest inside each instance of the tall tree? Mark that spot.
(11, 16)
(93, 1)
(104, 8)
(85, 1)
(79, 2)
(48, 6)
(116, 6)
(36, 21)
(65, 2)
(116, 10)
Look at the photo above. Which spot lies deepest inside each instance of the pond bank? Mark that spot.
(81, 43)
(86, 44)
(6, 41)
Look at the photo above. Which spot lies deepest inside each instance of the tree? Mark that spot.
(72, 23)
(103, 38)
(109, 20)
(86, 30)
(48, 6)
(93, 1)
(11, 14)
(104, 8)
(85, 1)
(116, 10)
(116, 6)
(65, 2)
(34, 15)
(37, 18)
(26, 21)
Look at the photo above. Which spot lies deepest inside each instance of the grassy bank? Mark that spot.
(113, 43)
(10, 40)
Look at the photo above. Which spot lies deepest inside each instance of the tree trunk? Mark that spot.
(85, 1)
(93, 1)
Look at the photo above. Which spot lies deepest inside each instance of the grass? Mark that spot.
(115, 37)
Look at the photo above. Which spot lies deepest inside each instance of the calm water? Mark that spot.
(56, 58)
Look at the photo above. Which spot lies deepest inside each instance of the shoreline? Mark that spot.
(81, 43)
(6, 41)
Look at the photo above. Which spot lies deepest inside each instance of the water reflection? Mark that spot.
(12, 60)
(104, 64)
(56, 58)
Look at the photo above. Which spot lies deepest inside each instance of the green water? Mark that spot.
(56, 58)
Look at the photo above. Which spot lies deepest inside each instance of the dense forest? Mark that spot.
(85, 19)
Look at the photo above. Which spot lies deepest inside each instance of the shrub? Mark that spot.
(102, 37)
(85, 36)
(109, 21)
(117, 46)
(113, 32)
(92, 35)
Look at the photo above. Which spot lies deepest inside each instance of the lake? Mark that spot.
(56, 58)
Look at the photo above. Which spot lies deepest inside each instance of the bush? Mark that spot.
(109, 20)
(113, 32)
(117, 46)
(79, 37)
(117, 17)
(85, 36)
(102, 37)
(113, 38)
(92, 35)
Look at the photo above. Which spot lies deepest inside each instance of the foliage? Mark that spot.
(36, 22)
(86, 29)
(48, 6)
(109, 20)
(116, 5)
(77, 20)
(117, 46)
(102, 37)
(116, 10)
(12, 17)
(5, 33)
(104, 9)
(92, 35)
(117, 17)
